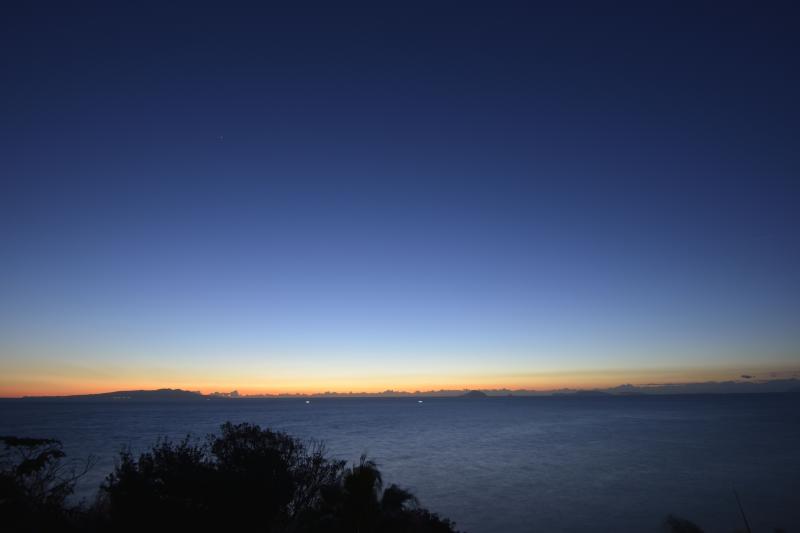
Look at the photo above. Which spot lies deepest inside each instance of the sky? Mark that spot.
(301, 197)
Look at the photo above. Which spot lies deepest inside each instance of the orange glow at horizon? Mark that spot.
(50, 386)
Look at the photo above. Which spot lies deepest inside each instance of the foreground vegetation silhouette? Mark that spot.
(34, 485)
(245, 477)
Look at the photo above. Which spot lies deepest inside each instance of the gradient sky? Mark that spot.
(299, 197)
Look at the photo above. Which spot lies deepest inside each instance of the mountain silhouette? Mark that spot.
(128, 395)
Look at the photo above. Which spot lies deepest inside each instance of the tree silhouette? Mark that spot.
(34, 484)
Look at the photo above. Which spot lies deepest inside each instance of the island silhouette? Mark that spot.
(741, 386)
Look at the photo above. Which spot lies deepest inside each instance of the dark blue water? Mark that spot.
(504, 464)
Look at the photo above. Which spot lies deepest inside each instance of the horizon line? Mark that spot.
(744, 380)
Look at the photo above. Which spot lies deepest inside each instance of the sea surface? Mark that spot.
(502, 464)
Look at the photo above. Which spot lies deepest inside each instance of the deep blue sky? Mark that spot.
(294, 197)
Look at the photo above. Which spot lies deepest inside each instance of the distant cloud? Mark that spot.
(746, 376)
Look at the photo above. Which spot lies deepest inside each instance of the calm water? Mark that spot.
(505, 464)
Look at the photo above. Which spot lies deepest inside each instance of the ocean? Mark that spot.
(519, 464)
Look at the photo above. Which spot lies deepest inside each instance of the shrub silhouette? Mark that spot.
(254, 478)
(676, 524)
(356, 503)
